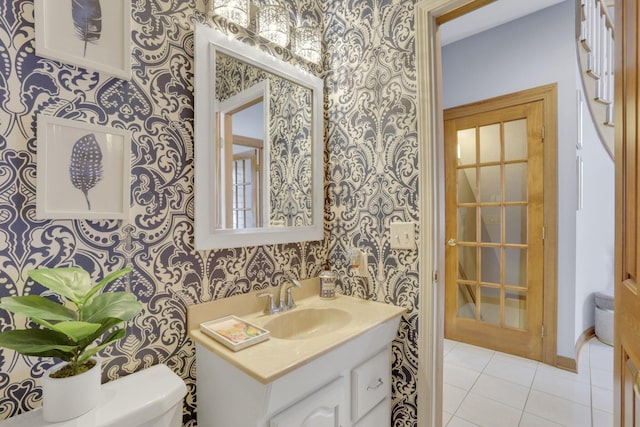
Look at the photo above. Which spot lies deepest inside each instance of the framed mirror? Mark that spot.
(258, 147)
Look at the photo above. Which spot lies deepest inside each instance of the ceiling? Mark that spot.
(492, 15)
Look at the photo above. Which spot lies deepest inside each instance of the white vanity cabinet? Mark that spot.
(370, 391)
(324, 408)
(349, 385)
(369, 399)
(333, 370)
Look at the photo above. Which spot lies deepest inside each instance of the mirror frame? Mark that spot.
(208, 42)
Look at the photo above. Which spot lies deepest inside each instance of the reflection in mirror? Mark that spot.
(241, 123)
(284, 129)
(258, 147)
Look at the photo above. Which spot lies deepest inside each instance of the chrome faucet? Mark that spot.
(285, 286)
(271, 307)
(281, 304)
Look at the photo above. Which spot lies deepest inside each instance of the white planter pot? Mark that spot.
(67, 398)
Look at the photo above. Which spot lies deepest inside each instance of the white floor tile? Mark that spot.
(452, 397)
(499, 383)
(601, 356)
(513, 370)
(458, 376)
(549, 382)
(487, 412)
(602, 378)
(582, 376)
(459, 422)
(506, 392)
(559, 410)
(469, 357)
(448, 346)
(446, 417)
(602, 399)
(521, 361)
(475, 348)
(602, 418)
(530, 420)
(584, 359)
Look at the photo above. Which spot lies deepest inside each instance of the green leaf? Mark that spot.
(65, 356)
(76, 331)
(118, 305)
(36, 342)
(37, 306)
(113, 336)
(104, 327)
(107, 324)
(109, 278)
(43, 322)
(71, 282)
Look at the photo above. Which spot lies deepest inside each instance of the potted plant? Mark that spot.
(70, 329)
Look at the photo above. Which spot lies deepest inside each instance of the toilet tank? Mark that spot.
(149, 398)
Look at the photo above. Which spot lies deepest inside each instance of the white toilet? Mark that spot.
(149, 398)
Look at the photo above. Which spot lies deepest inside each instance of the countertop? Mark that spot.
(273, 358)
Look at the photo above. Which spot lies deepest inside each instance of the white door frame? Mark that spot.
(431, 212)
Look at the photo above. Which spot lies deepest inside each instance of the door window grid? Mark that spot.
(491, 288)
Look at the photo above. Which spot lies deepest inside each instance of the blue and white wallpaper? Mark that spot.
(371, 179)
(372, 164)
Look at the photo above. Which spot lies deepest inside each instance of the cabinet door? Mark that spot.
(324, 408)
(380, 416)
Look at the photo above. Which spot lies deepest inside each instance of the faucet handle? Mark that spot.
(270, 308)
(288, 302)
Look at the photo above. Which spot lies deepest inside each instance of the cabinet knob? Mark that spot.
(452, 242)
(377, 385)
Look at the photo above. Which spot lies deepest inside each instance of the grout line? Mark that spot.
(529, 393)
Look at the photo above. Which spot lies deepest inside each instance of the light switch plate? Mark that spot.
(403, 235)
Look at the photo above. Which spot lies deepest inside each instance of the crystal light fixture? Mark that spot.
(273, 22)
(232, 10)
(307, 42)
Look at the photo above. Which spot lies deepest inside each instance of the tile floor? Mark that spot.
(491, 389)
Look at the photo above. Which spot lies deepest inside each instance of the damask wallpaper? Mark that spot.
(373, 164)
(289, 137)
(371, 179)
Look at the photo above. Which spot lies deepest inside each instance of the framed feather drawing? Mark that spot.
(83, 170)
(94, 34)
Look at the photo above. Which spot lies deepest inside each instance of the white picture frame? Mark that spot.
(83, 170)
(105, 46)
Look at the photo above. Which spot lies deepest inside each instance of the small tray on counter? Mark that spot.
(234, 332)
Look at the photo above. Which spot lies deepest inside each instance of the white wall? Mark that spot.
(532, 51)
(595, 230)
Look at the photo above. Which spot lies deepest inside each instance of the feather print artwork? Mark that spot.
(85, 169)
(87, 20)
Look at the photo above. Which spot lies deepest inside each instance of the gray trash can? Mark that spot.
(604, 317)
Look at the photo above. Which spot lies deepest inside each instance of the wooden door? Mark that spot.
(494, 226)
(627, 300)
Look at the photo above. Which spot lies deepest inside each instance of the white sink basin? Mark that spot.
(305, 323)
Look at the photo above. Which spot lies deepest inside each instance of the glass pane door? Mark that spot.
(492, 223)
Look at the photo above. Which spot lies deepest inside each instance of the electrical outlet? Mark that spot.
(403, 235)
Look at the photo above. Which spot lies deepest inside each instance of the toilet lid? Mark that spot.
(131, 400)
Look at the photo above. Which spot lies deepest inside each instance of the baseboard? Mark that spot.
(569, 364)
(566, 363)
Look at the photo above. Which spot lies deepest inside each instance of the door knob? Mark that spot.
(451, 242)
